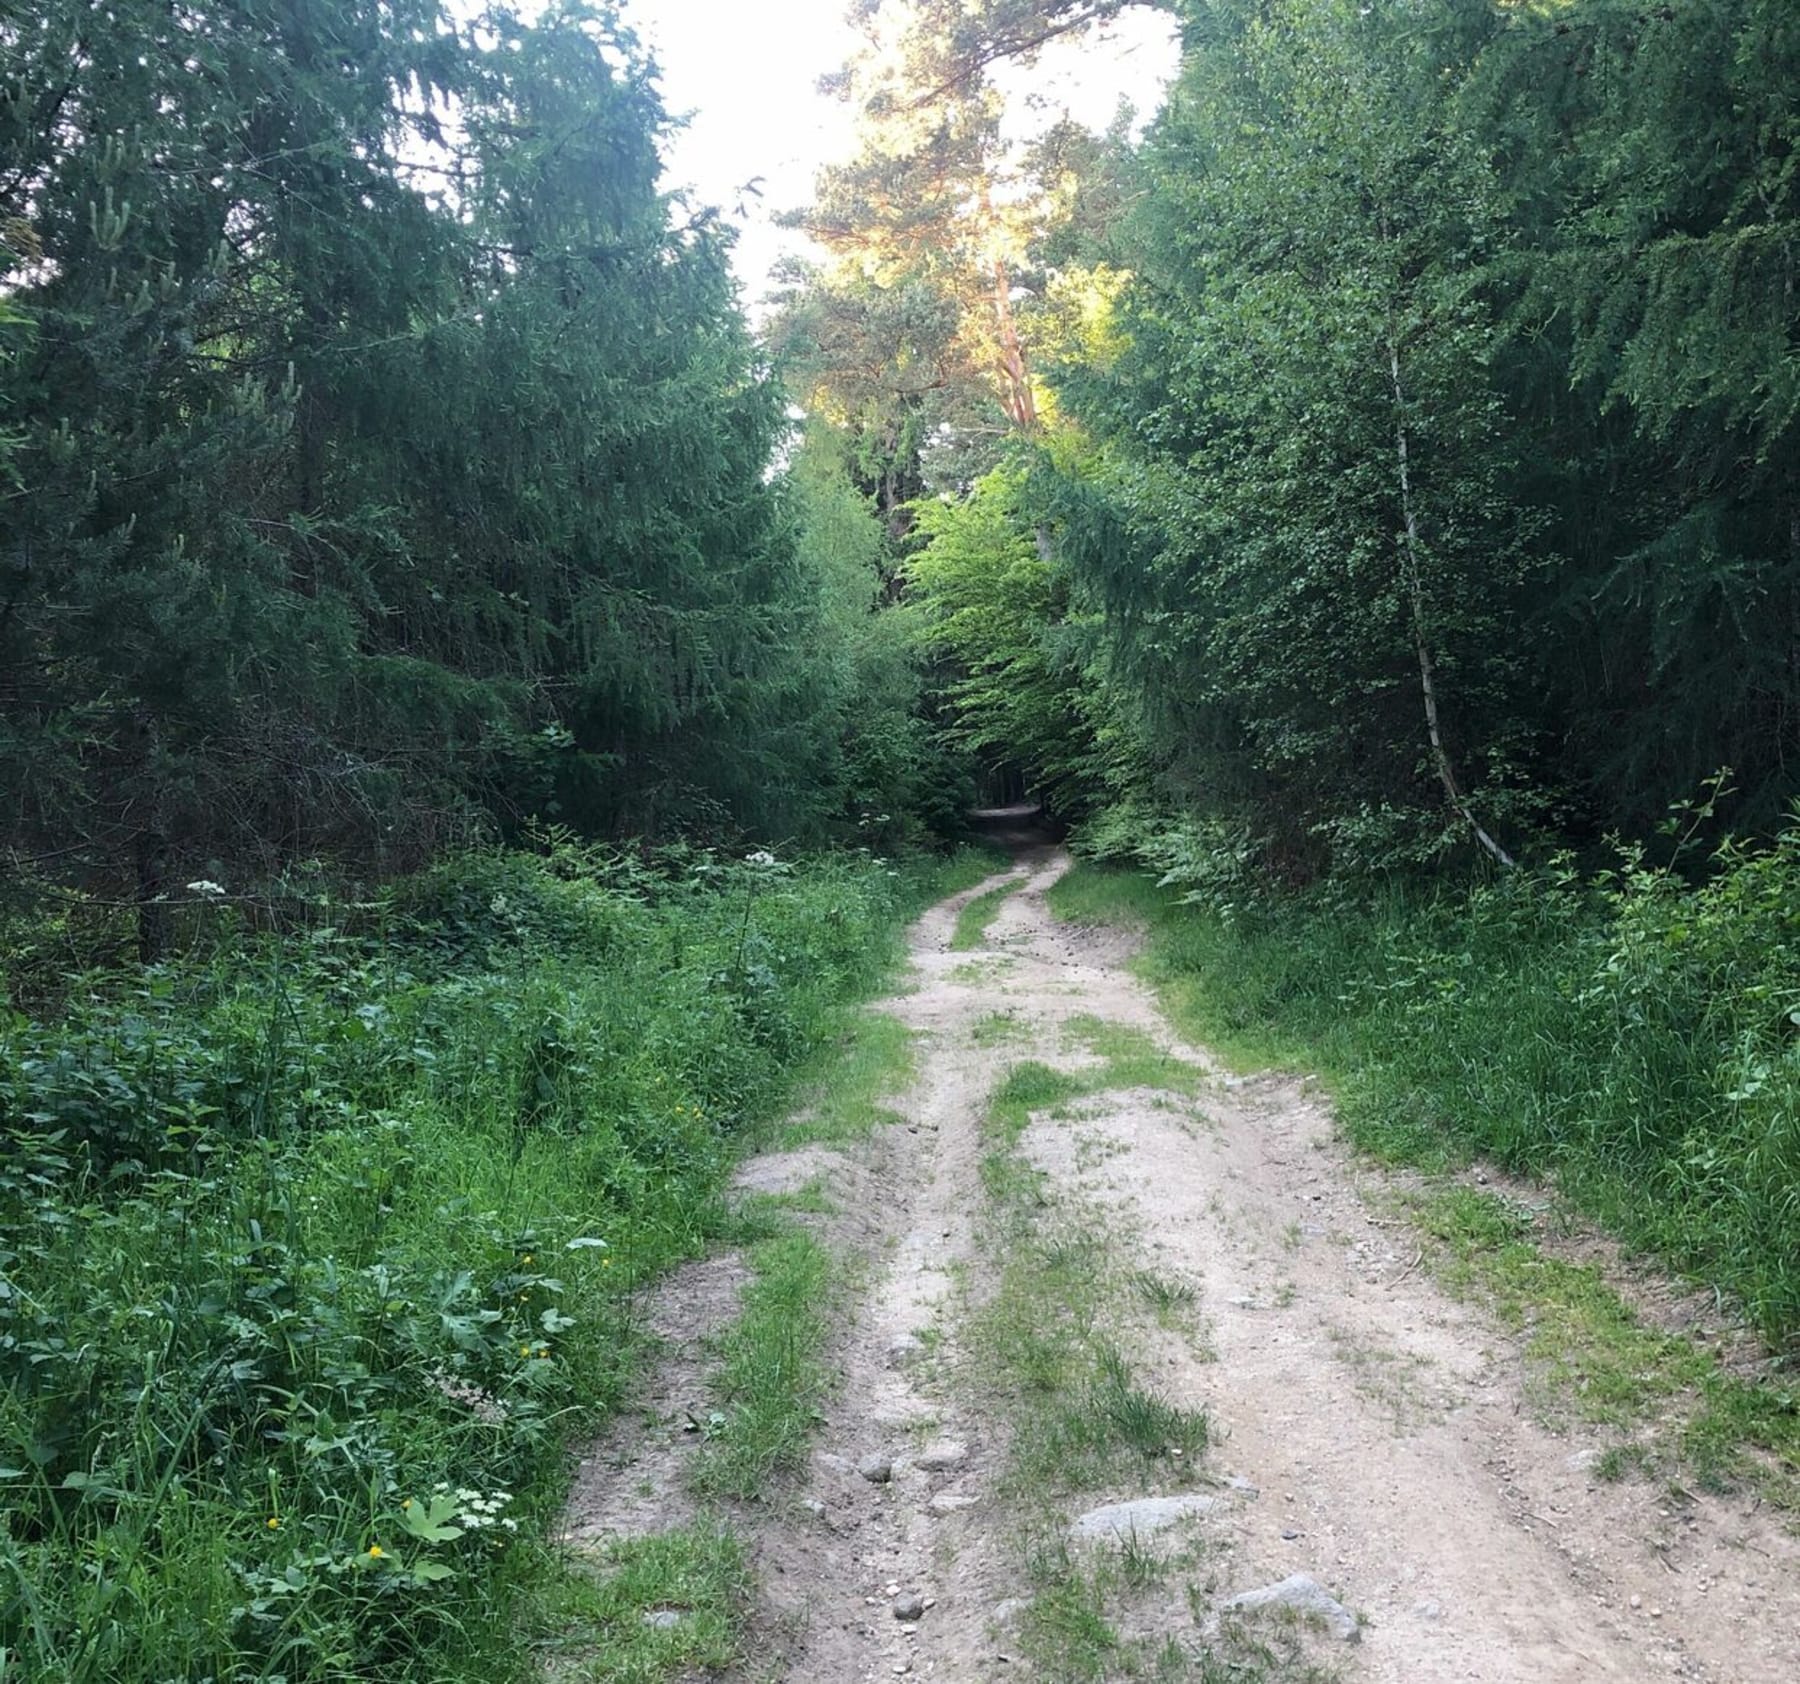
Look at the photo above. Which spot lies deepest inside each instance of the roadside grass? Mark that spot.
(1045, 1328)
(598, 1622)
(1166, 1296)
(1244, 1041)
(1072, 1628)
(1442, 1036)
(1130, 1059)
(1596, 1362)
(976, 915)
(842, 1094)
(996, 1029)
(989, 969)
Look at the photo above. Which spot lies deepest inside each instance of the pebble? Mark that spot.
(909, 1605)
(876, 1469)
(662, 1619)
(1429, 1609)
(1289, 1534)
(815, 1508)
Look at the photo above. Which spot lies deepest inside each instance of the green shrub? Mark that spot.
(313, 1255)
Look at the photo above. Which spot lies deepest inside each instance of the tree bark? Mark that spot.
(1021, 405)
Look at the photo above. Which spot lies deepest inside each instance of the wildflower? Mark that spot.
(405, 1505)
(529, 1258)
(605, 1262)
(273, 1523)
(543, 1350)
(206, 886)
(524, 1350)
(376, 1552)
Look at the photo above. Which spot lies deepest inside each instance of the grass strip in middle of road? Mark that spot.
(978, 913)
(1052, 1338)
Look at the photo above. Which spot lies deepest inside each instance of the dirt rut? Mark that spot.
(1369, 1430)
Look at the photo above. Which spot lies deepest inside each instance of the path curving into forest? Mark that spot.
(1367, 1428)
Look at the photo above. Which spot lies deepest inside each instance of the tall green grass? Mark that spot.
(314, 1256)
(1632, 1036)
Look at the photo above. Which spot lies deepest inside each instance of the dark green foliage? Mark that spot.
(327, 1232)
(1311, 476)
(1648, 155)
(1554, 249)
(386, 459)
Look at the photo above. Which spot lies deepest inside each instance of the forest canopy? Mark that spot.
(1395, 438)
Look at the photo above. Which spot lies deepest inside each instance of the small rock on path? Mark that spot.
(1117, 1523)
(1305, 1595)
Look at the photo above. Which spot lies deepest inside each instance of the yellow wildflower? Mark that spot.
(273, 1522)
(376, 1552)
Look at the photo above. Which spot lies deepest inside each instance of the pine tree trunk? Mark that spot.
(1021, 405)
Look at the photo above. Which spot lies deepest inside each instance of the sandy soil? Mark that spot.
(1377, 1433)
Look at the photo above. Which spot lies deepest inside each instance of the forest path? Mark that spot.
(1367, 1429)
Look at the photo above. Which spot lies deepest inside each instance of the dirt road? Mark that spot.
(1367, 1429)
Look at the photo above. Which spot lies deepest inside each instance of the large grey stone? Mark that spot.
(942, 1455)
(1119, 1523)
(1305, 1595)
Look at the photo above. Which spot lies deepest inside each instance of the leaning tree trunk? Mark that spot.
(1017, 397)
(1415, 592)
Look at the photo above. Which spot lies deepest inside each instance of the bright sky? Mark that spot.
(747, 72)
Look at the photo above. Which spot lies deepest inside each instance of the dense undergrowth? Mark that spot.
(314, 1253)
(1635, 1037)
